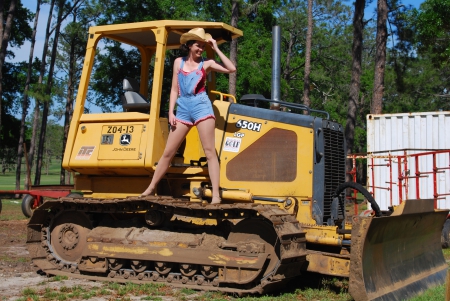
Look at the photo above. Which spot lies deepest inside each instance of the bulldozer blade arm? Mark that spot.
(399, 256)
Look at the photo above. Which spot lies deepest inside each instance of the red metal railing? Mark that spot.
(399, 188)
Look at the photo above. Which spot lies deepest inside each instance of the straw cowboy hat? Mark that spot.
(196, 34)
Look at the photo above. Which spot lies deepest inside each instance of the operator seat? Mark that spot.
(132, 100)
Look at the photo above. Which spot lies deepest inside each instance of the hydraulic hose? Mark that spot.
(363, 191)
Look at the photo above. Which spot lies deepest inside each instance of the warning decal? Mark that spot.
(232, 144)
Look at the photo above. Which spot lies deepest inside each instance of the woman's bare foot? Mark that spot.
(216, 200)
(147, 192)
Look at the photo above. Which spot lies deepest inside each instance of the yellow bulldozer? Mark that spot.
(282, 182)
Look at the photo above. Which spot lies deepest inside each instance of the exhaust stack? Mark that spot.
(276, 66)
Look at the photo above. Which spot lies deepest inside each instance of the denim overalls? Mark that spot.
(192, 108)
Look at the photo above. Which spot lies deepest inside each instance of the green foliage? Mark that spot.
(433, 29)
(14, 77)
(21, 30)
(416, 77)
(418, 67)
(111, 69)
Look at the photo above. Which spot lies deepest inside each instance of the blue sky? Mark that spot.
(23, 52)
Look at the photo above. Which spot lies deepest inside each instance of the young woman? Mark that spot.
(193, 105)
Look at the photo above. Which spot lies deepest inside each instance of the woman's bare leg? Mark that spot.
(206, 132)
(176, 136)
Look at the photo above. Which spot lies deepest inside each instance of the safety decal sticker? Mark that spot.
(232, 144)
(107, 139)
(85, 153)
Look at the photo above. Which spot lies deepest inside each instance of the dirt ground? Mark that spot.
(16, 270)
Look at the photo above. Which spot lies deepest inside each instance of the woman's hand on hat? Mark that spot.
(211, 42)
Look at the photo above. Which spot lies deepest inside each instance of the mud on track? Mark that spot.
(18, 273)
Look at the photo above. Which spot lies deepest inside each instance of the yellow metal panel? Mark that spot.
(220, 111)
(123, 32)
(81, 97)
(304, 213)
(329, 265)
(103, 186)
(301, 186)
(193, 149)
(146, 55)
(97, 149)
(120, 142)
(155, 150)
(106, 117)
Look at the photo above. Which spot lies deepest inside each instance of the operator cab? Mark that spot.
(129, 136)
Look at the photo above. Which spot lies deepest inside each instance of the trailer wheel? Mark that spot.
(445, 235)
(27, 205)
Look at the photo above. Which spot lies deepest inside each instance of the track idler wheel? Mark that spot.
(68, 233)
(188, 270)
(163, 268)
(139, 265)
(209, 272)
(116, 264)
(154, 218)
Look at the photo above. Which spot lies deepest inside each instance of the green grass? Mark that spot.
(7, 259)
(434, 294)
(158, 292)
(446, 254)
(11, 210)
(8, 180)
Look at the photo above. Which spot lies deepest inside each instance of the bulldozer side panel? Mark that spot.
(267, 152)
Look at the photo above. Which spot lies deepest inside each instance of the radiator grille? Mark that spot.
(334, 155)
(271, 158)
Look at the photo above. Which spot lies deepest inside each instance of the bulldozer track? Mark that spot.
(239, 264)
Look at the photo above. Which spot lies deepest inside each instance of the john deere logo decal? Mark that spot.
(125, 139)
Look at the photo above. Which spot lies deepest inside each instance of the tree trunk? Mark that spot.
(69, 103)
(358, 28)
(233, 48)
(287, 67)
(48, 91)
(1, 40)
(5, 34)
(25, 100)
(306, 80)
(380, 58)
(40, 80)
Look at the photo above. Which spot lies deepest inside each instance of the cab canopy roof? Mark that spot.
(144, 34)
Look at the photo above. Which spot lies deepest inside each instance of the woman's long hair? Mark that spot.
(184, 48)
